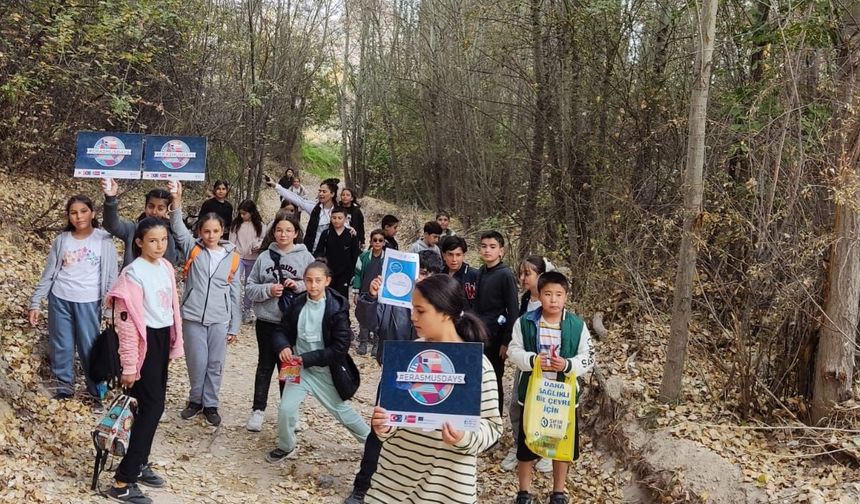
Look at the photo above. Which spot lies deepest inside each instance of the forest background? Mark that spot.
(563, 123)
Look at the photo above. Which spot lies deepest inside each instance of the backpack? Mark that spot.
(104, 365)
(195, 251)
(287, 296)
(112, 433)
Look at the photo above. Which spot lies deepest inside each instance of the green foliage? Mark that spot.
(322, 160)
(82, 65)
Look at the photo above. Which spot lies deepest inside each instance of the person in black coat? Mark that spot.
(315, 335)
(354, 216)
(219, 206)
(340, 249)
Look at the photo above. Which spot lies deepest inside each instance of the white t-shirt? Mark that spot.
(533, 305)
(80, 268)
(154, 279)
(215, 258)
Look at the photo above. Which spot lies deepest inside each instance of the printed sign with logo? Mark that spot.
(174, 158)
(103, 154)
(426, 384)
(399, 274)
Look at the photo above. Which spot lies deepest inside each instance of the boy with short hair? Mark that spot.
(367, 268)
(562, 341)
(432, 230)
(454, 250)
(340, 249)
(390, 224)
(496, 303)
(157, 202)
(444, 220)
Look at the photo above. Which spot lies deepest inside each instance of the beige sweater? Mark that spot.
(246, 240)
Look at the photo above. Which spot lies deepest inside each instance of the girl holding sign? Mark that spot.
(437, 466)
(211, 310)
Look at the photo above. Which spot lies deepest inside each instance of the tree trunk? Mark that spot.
(834, 364)
(693, 187)
(536, 162)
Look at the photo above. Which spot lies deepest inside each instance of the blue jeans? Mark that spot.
(72, 325)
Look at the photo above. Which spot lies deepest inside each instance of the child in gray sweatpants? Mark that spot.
(211, 307)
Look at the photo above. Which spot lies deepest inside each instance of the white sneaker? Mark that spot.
(255, 421)
(509, 463)
(544, 465)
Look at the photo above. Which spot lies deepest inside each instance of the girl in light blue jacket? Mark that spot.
(211, 306)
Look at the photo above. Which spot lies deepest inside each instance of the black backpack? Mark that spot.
(104, 357)
(287, 296)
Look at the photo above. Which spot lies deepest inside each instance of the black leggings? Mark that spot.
(267, 362)
(149, 391)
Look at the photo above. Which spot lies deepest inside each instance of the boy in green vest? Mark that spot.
(562, 342)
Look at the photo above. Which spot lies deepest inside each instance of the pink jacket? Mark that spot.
(127, 297)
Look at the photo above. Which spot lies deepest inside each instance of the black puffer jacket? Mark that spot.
(336, 333)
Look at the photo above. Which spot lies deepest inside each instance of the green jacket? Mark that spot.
(571, 331)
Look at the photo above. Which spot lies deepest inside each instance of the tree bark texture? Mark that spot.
(693, 188)
(834, 363)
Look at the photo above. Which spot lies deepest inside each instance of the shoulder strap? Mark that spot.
(276, 258)
(234, 266)
(195, 251)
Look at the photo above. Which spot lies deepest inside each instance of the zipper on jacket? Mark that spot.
(209, 284)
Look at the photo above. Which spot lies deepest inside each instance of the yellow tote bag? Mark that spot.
(549, 415)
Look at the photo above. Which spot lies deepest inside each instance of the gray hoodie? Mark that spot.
(263, 275)
(421, 245)
(208, 298)
(107, 271)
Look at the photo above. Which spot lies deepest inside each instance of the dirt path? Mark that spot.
(227, 465)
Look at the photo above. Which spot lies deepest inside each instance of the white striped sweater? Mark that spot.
(417, 467)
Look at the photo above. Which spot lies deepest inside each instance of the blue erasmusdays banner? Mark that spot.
(425, 384)
(104, 154)
(174, 158)
(399, 273)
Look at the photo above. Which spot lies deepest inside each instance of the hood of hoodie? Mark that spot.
(292, 265)
(297, 248)
(228, 246)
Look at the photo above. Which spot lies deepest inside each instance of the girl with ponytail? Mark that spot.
(404, 474)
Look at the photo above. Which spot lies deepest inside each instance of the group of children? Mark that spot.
(297, 283)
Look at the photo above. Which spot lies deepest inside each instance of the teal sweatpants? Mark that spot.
(316, 382)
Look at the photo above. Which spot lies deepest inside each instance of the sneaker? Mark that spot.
(544, 465)
(356, 497)
(374, 350)
(362, 347)
(63, 395)
(509, 463)
(148, 477)
(558, 498)
(524, 498)
(212, 416)
(191, 410)
(255, 421)
(129, 493)
(279, 455)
